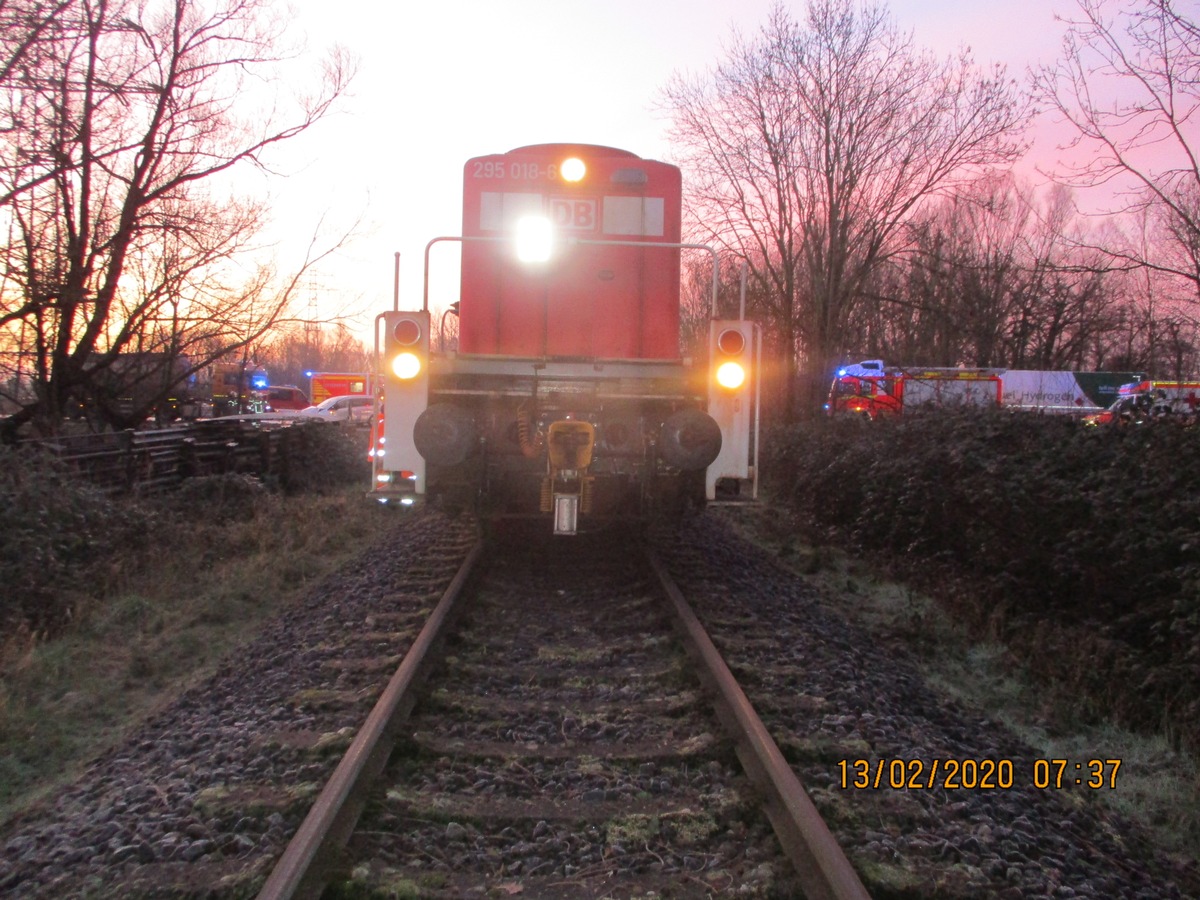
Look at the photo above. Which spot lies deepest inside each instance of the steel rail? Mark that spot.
(822, 867)
(302, 869)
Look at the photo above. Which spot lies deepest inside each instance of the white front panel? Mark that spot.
(634, 216)
(619, 216)
(500, 211)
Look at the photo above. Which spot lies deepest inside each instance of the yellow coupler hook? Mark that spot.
(567, 488)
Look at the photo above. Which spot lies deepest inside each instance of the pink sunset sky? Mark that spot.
(441, 82)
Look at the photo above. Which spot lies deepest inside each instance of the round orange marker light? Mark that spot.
(731, 375)
(406, 365)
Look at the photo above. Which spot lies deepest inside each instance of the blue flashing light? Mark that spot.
(841, 373)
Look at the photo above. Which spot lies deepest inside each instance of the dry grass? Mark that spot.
(1156, 785)
(218, 574)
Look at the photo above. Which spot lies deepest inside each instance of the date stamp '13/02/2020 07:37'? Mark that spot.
(977, 774)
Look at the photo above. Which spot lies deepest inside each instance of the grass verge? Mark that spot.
(228, 569)
(1157, 785)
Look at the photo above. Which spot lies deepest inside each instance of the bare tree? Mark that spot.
(997, 275)
(812, 144)
(124, 125)
(1068, 302)
(25, 26)
(950, 297)
(1128, 84)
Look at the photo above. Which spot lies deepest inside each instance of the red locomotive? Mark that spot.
(568, 395)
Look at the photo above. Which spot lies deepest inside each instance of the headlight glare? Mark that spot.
(535, 239)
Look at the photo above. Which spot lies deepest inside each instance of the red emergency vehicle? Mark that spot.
(871, 389)
(339, 384)
(1141, 400)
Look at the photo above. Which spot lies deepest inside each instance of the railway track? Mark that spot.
(512, 769)
(564, 747)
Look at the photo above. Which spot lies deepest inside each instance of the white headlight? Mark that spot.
(535, 239)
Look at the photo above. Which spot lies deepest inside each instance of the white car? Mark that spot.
(351, 408)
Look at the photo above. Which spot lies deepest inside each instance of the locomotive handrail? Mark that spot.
(462, 239)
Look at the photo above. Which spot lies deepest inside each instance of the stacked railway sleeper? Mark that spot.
(563, 747)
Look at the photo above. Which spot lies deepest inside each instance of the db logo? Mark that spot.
(570, 214)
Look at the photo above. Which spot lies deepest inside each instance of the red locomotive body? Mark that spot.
(603, 295)
(567, 395)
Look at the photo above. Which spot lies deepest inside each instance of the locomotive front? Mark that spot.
(567, 395)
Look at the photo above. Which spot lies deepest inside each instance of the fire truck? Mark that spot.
(870, 389)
